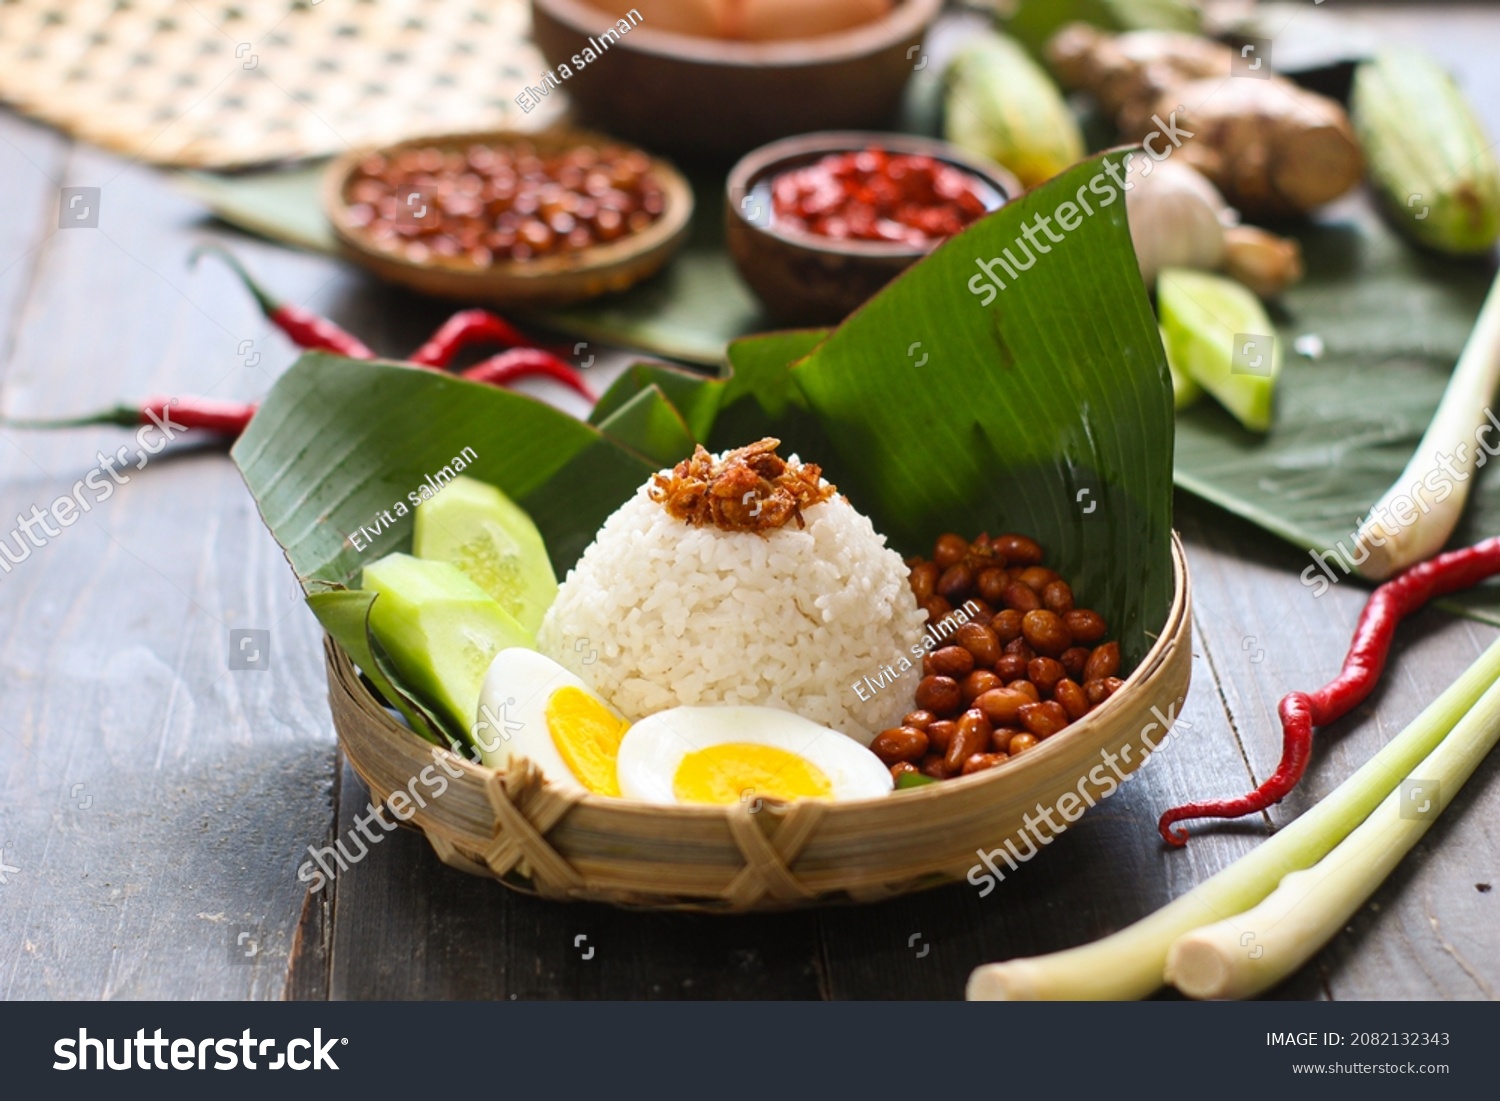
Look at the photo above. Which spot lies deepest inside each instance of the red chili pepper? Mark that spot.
(227, 418)
(1302, 711)
(306, 329)
(519, 363)
(462, 329)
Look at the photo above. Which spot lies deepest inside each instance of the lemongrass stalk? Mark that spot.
(1130, 963)
(1445, 459)
(1248, 954)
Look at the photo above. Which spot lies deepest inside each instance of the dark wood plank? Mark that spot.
(1428, 933)
(156, 799)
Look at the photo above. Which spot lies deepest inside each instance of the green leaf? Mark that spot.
(282, 203)
(345, 615)
(693, 395)
(342, 449)
(1048, 411)
(1035, 21)
(1391, 321)
(650, 425)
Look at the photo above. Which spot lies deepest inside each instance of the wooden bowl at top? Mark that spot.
(767, 855)
(546, 281)
(717, 97)
(806, 280)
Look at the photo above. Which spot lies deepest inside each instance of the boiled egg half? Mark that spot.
(724, 755)
(530, 706)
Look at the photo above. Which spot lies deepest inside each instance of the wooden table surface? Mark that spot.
(155, 804)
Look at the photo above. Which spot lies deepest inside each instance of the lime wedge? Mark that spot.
(1219, 334)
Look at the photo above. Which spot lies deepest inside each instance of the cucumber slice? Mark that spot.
(491, 539)
(1218, 332)
(440, 630)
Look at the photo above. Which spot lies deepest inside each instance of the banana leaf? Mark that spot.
(1387, 322)
(1047, 411)
(1035, 21)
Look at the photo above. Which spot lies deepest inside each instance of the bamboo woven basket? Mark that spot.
(512, 827)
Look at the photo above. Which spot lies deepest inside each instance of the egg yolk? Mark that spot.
(588, 737)
(725, 773)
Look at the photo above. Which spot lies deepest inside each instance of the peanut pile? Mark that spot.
(1020, 670)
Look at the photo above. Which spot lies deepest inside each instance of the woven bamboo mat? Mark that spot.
(217, 85)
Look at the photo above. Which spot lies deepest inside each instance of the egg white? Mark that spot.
(653, 749)
(512, 718)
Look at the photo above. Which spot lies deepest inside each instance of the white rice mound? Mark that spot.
(659, 614)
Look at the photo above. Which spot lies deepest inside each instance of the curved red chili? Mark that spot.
(1302, 711)
(305, 328)
(463, 329)
(519, 363)
(227, 418)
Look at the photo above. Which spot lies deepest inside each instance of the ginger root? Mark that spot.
(1271, 147)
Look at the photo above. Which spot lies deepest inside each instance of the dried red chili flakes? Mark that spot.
(494, 204)
(872, 195)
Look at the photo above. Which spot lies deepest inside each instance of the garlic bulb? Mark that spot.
(1177, 220)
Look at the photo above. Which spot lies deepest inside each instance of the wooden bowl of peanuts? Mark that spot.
(508, 218)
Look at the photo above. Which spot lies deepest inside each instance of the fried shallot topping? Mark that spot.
(750, 489)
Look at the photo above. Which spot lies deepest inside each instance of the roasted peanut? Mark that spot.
(1045, 632)
(1073, 659)
(1010, 667)
(1000, 737)
(1020, 648)
(1103, 662)
(1020, 743)
(921, 720)
(1098, 691)
(940, 734)
(1058, 598)
(1018, 550)
(991, 584)
(949, 661)
(1044, 719)
(1095, 691)
(1020, 597)
(932, 765)
(1085, 626)
(1027, 688)
(923, 579)
(950, 550)
(1007, 625)
(1045, 673)
(900, 743)
(1037, 578)
(940, 695)
(1002, 706)
(972, 736)
(981, 761)
(902, 768)
(1070, 694)
(936, 608)
(956, 584)
(977, 684)
(981, 642)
